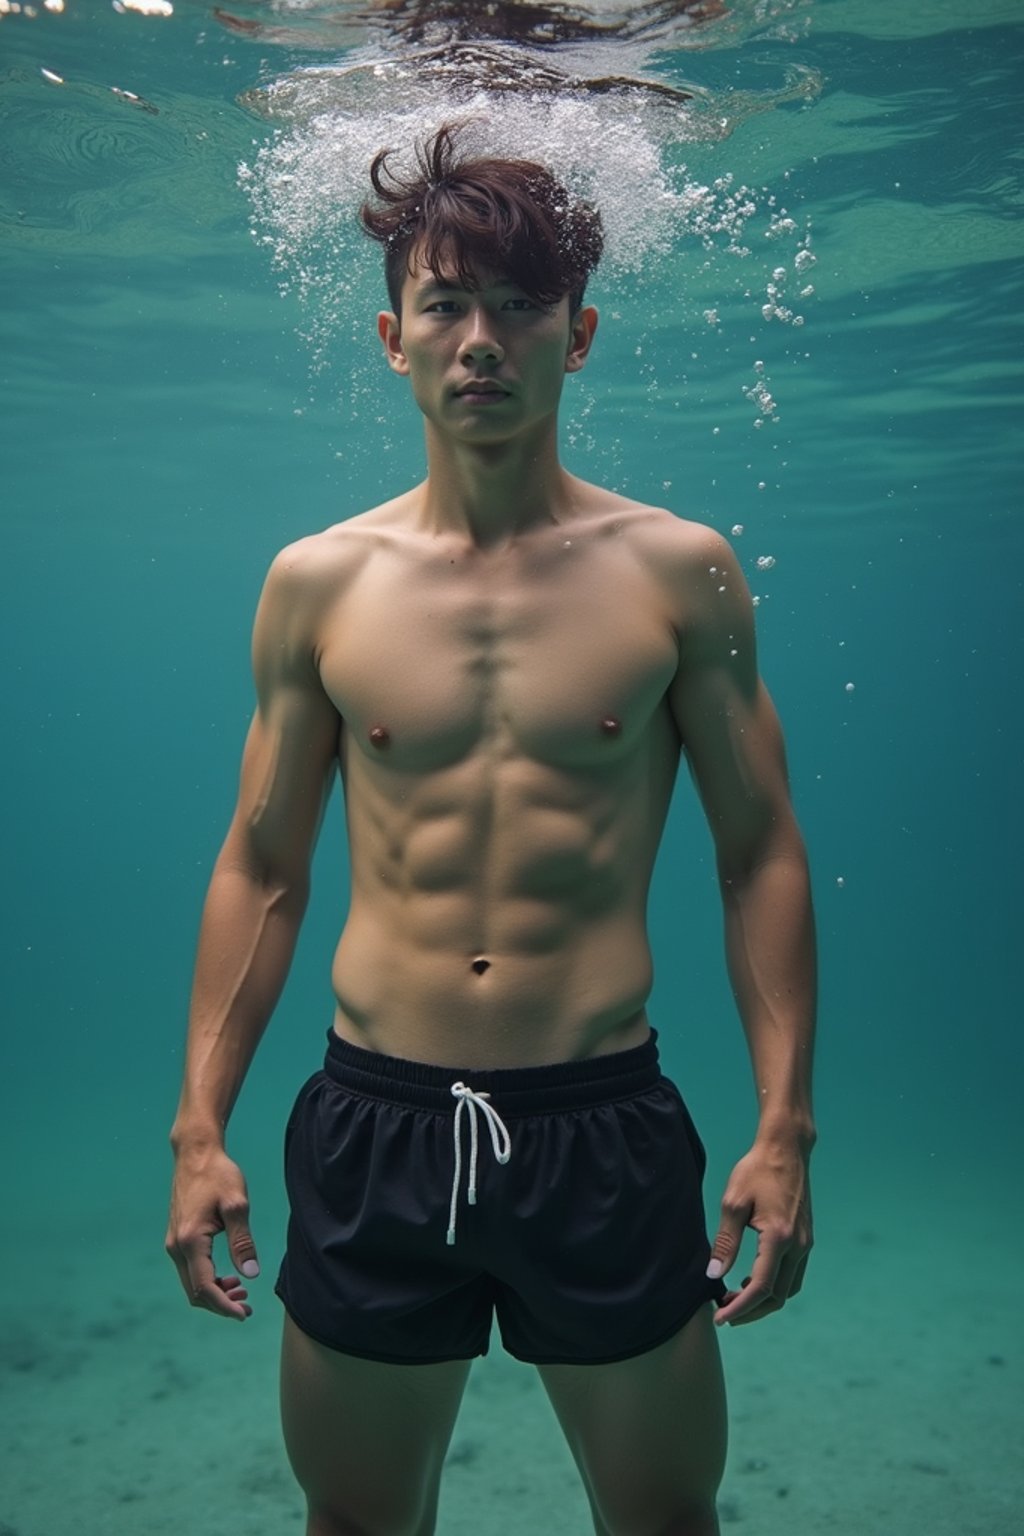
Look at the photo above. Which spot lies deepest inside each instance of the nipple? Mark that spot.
(380, 737)
(480, 965)
(611, 727)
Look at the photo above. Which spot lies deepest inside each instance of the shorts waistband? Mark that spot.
(563, 1085)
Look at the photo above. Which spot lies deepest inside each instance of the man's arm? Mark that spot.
(254, 908)
(734, 747)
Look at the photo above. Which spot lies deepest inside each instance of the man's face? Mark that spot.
(485, 363)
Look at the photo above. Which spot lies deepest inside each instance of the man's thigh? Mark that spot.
(366, 1441)
(649, 1433)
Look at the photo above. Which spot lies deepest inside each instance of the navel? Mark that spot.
(480, 964)
(380, 737)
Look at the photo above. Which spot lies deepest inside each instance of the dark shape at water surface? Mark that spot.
(409, 56)
(457, 69)
(461, 48)
(419, 23)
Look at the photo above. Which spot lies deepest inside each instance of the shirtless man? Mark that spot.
(507, 663)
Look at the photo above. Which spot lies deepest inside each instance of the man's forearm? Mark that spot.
(770, 949)
(246, 943)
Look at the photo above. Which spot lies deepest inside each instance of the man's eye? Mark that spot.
(523, 304)
(447, 305)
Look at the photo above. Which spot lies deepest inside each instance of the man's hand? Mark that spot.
(768, 1190)
(209, 1196)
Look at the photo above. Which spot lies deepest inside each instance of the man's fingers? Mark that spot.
(235, 1292)
(747, 1305)
(727, 1242)
(759, 1289)
(777, 1275)
(203, 1290)
(207, 1290)
(209, 1196)
(243, 1249)
(193, 1259)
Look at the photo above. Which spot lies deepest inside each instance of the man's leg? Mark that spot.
(366, 1441)
(649, 1434)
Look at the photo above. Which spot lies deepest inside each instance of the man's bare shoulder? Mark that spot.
(680, 546)
(310, 576)
(318, 562)
(681, 553)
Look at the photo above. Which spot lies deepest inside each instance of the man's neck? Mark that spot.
(489, 493)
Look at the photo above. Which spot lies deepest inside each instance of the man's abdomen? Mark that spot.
(498, 902)
(548, 989)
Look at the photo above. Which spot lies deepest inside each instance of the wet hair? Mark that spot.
(457, 213)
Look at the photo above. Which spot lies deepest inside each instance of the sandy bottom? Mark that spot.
(887, 1398)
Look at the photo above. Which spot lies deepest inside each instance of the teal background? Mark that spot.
(164, 434)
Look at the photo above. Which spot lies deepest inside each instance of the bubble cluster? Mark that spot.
(775, 306)
(762, 398)
(306, 183)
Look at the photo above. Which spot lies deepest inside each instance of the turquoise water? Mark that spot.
(171, 417)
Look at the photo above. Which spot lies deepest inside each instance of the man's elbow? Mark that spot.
(282, 879)
(773, 837)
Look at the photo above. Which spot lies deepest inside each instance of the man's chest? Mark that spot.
(564, 663)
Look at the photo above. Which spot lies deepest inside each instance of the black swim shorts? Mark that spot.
(565, 1198)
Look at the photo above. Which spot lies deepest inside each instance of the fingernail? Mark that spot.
(250, 1269)
(715, 1269)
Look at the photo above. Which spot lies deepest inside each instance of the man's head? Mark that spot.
(472, 214)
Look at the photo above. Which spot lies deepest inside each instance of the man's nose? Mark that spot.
(480, 340)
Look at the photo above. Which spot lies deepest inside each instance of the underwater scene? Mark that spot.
(810, 339)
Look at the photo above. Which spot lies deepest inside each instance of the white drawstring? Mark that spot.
(498, 1129)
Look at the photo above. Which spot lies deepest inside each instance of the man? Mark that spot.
(506, 662)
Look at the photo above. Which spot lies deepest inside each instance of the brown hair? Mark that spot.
(506, 216)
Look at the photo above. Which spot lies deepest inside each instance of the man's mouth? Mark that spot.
(481, 387)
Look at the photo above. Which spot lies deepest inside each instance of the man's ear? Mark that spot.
(390, 332)
(581, 337)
